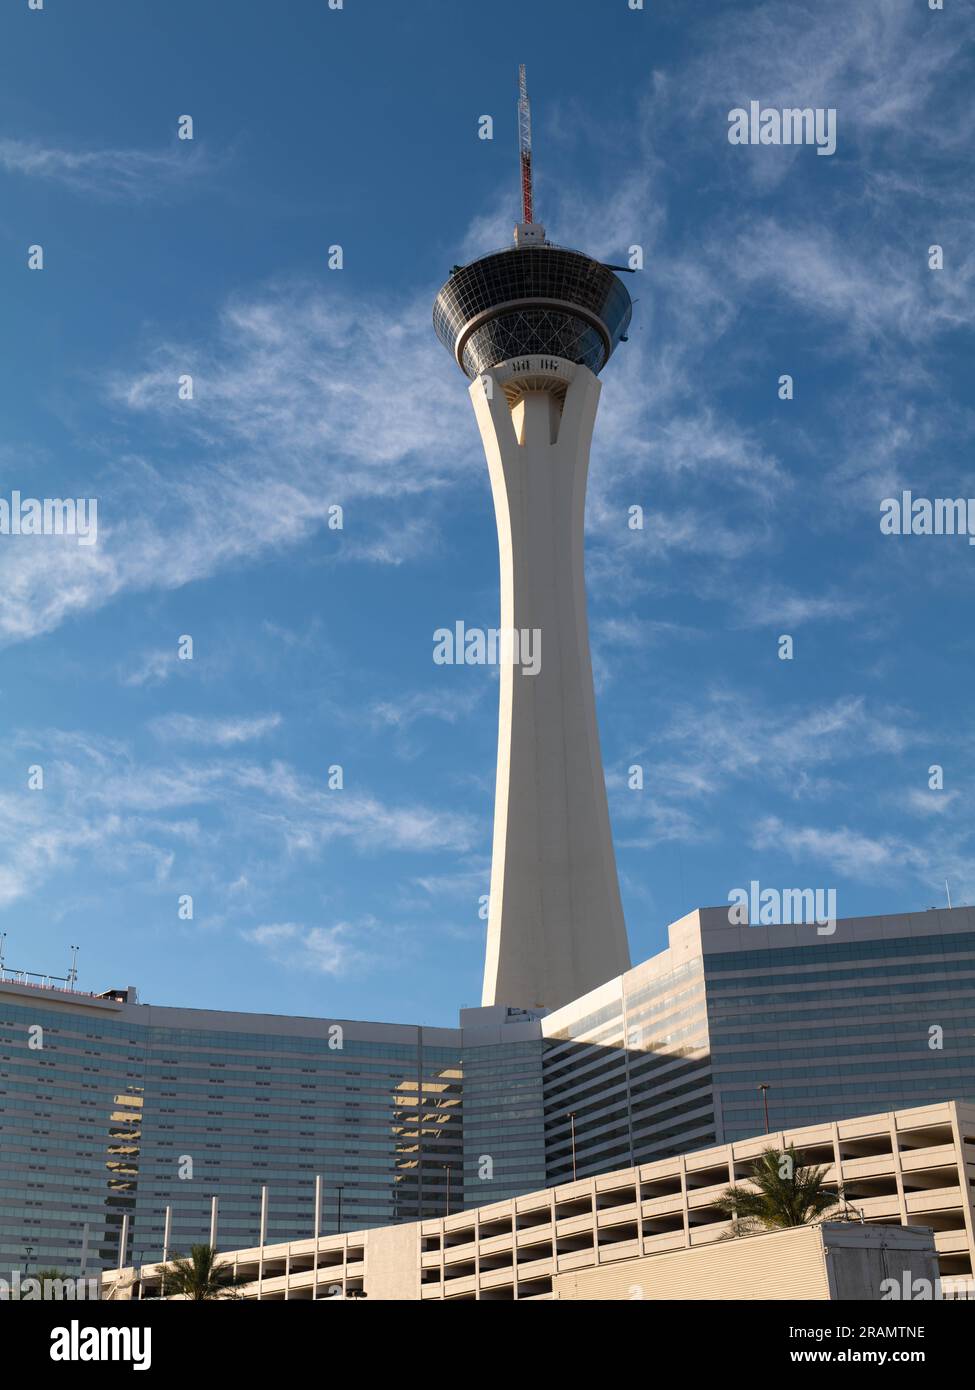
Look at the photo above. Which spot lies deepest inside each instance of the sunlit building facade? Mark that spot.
(878, 1013)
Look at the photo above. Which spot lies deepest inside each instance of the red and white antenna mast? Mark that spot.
(525, 145)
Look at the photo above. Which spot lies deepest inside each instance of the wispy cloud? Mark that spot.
(149, 668)
(845, 850)
(335, 950)
(468, 883)
(727, 742)
(274, 438)
(132, 816)
(866, 294)
(447, 705)
(224, 733)
(929, 803)
(892, 70)
(109, 173)
(729, 735)
(871, 858)
(781, 606)
(297, 369)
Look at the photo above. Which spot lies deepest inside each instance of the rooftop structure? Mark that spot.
(532, 299)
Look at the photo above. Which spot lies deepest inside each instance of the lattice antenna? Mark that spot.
(525, 145)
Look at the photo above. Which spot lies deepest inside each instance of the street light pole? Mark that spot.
(572, 1125)
(763, 1087)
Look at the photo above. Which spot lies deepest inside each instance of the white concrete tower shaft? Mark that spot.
(555, 925)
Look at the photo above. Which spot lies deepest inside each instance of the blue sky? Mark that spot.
(313, 647)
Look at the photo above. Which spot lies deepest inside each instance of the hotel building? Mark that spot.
(119, 1108)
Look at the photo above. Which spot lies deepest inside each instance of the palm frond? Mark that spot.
(198, 1276)
(785, 1193)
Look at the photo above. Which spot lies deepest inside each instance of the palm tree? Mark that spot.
(199, 1276)
(789, 1194)
(45, 1278)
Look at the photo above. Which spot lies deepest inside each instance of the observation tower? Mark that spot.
(532, 326)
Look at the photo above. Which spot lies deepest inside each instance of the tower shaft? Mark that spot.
(555, 925)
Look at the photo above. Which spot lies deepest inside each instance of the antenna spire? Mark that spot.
(525, 145)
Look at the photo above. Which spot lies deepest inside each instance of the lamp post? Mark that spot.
(572, 1128)
(763, 1087)
(338, 1224)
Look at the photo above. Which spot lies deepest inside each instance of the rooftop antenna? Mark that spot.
(525, 146)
